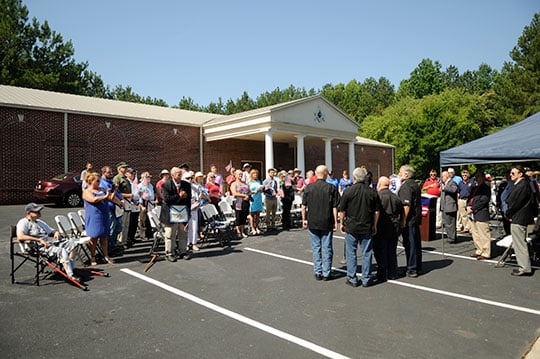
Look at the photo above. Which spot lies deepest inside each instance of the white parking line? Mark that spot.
(276, 332)
(426, 289)
(446, 254)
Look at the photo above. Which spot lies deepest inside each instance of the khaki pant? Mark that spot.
(271, 208)
(462, 219)
(175, 232)
(481, 238)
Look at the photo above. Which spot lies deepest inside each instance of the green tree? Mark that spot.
(421, 128)
(426, 79)
(33, 55)
(517, 87)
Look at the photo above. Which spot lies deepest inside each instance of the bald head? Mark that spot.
(384, 182)
(321, 172)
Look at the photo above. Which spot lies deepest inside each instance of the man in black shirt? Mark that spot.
(359, 213)
(409, 193)
(388, 230)
(319, 216)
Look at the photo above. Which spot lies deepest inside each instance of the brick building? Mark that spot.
(47, 133)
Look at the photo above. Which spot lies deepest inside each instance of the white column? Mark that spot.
(352, 160)
(268, 152)
(328, 152)
(300, 155)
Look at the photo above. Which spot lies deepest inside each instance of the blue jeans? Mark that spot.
(321, 245)
(413, 248)
(115, 229)
(366, 245)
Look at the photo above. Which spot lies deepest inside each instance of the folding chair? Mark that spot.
(506, 242)
(81, 213)
(159, 235)
(77, 223)
(24, 251)
(227, 210)
(296, 210)
(78, 229)
(221, 229)
(30, 252)
(69, 230)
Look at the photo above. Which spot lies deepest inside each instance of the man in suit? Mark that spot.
(449, 207)
(175, 193)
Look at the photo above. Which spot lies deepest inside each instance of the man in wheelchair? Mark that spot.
(37, 234)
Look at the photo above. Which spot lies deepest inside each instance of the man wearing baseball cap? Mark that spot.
(32, 229)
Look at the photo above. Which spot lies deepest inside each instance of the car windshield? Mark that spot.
(62, 176)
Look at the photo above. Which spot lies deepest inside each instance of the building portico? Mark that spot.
(309, 121)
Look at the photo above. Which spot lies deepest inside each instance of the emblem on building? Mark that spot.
(318, 115)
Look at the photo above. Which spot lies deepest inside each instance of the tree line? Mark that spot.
(432, 110)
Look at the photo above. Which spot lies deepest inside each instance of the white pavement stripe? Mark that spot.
(427, 289)
(467, 297)
(276, 332)
(458, 256)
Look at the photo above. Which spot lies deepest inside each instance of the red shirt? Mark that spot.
(214, 191)
(434, 191)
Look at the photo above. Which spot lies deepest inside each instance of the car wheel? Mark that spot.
(72, 199)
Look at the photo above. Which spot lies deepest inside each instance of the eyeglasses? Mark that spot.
(514, 173)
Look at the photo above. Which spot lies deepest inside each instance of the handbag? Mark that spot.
(179, 214)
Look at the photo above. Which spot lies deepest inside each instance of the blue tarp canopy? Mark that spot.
(517, 143)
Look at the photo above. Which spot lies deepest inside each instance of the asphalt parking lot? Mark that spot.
(258, 299)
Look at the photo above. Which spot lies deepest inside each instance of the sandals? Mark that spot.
(93, 262)
(109, 260)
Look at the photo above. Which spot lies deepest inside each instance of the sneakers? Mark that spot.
(170, 258)
(412, 274)
(352, 284)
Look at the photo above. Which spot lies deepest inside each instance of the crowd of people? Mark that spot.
(371, 217)
(465, 205)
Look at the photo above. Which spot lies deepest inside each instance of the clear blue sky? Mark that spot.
(207, 49)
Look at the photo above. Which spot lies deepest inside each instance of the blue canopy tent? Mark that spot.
(517, 143)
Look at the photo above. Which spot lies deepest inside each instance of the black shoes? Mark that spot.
(354, 285)
(170, 258)
(520, 273)
(412, 274)
(318, 276)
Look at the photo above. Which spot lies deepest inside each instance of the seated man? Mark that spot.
(31, 228)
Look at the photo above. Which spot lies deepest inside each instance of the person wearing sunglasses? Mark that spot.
(520, 213)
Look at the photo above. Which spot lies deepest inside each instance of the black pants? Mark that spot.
(384, 249)
(286, 205)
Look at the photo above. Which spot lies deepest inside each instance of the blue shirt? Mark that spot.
(106, 184)
(345, 183)
(332, 181)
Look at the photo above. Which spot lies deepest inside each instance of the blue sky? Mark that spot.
(210, 49)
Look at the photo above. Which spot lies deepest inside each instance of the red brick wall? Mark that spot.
(33, 149)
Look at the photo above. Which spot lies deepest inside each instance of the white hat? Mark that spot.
(186, 175)
(198, 174)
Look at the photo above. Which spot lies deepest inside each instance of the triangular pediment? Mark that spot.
(317, 113)
(311, 116)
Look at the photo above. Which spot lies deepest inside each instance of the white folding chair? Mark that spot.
(68, 230)
(78, 223)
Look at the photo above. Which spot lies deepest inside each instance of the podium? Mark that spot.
(429, 217)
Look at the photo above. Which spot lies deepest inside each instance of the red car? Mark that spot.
(64, 189)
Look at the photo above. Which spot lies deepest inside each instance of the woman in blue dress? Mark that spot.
(96, 216)
(256, 205)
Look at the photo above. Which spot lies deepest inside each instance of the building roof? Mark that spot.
(273, 108)
(20, 97)
(369, 142)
